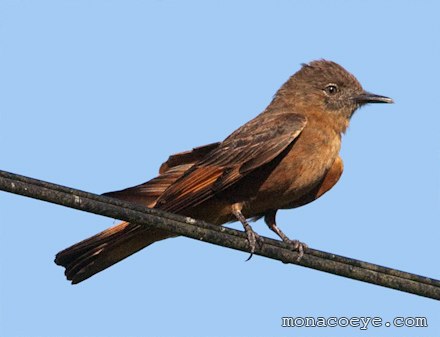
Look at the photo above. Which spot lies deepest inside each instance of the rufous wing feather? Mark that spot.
(114, 244)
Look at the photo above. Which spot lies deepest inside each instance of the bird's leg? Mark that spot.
(269, 218)
(252, 237)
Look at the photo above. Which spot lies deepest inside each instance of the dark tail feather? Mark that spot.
(103, 250)
(92, 255)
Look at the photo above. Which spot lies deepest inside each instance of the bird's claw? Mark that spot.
(298, 246)
(253, 239)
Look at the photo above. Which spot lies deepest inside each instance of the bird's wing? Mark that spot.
(187, 157)
(177, 164)
(251, 146)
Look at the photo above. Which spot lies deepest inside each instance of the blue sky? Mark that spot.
(96, 94)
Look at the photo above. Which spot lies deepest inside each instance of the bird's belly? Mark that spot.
(298, 173)
(277, 185)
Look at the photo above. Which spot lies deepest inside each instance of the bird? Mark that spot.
(285, 157)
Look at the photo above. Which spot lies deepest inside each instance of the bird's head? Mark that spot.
(324, 87)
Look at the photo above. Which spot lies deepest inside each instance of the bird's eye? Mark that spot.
(331, 89)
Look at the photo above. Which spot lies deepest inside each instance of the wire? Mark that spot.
(218, 235)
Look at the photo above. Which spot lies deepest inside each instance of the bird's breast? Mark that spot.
(301, 168)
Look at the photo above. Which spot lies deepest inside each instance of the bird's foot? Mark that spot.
(253, 239)
(296, 245)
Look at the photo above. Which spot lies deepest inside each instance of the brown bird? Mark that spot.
(285, 157)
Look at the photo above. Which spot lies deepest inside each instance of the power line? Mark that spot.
(218, 235)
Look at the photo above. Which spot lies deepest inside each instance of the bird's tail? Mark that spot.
(92, 255)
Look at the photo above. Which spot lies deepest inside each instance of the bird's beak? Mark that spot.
(368, 97)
